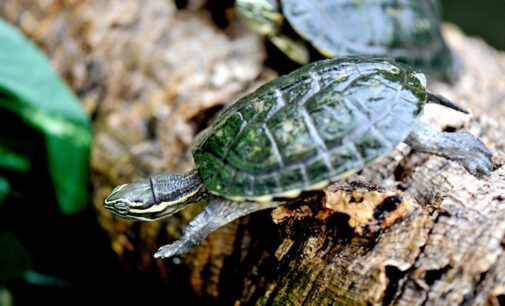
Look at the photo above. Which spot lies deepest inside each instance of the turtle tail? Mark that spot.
(437, 99)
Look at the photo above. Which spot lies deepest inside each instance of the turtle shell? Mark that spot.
(407, 30)
(318, 124)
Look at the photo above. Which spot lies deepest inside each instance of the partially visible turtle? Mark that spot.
(321, 123)
(406, 30)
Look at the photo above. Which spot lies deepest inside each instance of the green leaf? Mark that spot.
(36, 278)
(15, 263)
(6, 297)
(13, 160)
(14, 259)
(5, 188)
(30, 88)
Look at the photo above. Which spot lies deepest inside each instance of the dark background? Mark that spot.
(485, 18)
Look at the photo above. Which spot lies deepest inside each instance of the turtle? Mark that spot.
(296, 134)
(407, 30)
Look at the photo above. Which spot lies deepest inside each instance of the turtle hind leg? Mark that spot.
(218, 212)
(462, 148)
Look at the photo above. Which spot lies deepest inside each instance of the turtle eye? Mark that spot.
(122, 208)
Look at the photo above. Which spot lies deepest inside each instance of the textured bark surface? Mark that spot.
(152, 76)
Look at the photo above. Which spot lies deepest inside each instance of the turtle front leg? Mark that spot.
(462, 148)
(218, 212)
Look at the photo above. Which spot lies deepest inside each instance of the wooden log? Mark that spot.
(417, 229)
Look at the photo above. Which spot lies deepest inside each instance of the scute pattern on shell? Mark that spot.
(407, 30)
(322, 121)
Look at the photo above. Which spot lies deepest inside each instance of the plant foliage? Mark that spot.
(31, 89)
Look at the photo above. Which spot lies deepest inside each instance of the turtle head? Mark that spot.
(127, 199)
(155, 197)
(262, 16)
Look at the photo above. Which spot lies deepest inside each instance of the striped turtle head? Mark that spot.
(130, 200)
(156, 197)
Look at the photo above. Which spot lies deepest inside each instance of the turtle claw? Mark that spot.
(179, 247)
(495, 161)
(462, 148)
(478, 165)
(478, 168)
(474, 156)
(498, 159)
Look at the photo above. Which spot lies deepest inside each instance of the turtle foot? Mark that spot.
(462, 148)
(218, 212)
(179, 247)
(473, 155)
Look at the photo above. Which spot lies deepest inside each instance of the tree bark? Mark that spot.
(412, 229)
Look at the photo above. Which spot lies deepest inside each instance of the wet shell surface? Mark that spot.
(315, 125)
